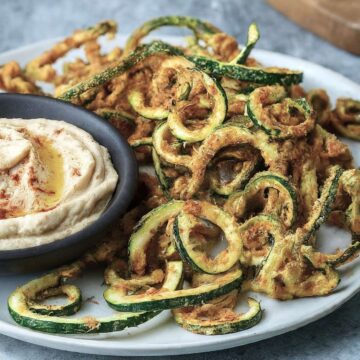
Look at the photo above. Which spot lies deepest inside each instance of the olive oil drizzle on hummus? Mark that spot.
(52, 188)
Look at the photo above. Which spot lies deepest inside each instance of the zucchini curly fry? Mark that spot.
(242, 154)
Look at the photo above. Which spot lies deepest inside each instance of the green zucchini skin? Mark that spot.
(252, 39)
(245, 73)
(109, 114)
(217, 327)
(212, 67)
(201, 29)
(101, 78)
(241, 178)
(144, 231)
(215, 119)
(52, 324)
(350, 184)
(173, 299)
(351, 252)
(304, 273)
(158, 138)
(20, 311)
(262, 180)
(226, 135)
(146, 141)
(182, 250)
(276, 94)
(322, 207)
(162, 178)
(73, 306)
(275, 229)
(136, 100)
(347, 123)
(201, 262)
(173, 280)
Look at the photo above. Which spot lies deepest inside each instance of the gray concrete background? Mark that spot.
(334, 337)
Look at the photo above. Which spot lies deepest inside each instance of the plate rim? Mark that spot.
(84, 345)
(211, 343)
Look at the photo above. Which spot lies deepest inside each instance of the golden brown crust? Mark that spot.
(304, 158)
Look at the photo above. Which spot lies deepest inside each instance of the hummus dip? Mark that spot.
(55, 179)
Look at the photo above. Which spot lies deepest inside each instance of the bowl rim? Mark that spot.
(122, 196)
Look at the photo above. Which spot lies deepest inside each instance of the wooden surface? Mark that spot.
(337, 21)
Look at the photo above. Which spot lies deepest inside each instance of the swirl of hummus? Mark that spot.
(55, 179)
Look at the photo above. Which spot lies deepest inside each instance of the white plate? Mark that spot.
(161, 336)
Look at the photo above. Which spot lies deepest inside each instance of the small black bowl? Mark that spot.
(64, 250)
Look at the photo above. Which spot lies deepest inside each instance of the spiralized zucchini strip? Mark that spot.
(252, 39)
(41, 67)
(184, 77)
(279, 267)
(287, 199)
(259, 234)
(121, 292)
(116, 275)
(101, 78)
(138, 98)
(268, 76)
(338, 259)
(145, 141)
(109, 114)
(168, 298)
(232, 168)
(227, 135)
(215, 119)
(27, 312)
(144, 231)
(13, 79)
(212, 67)
(322, 206)
(176, 77)
(168, 148)
(162, 178)
(137, 101)
(46, 319)
(185, 234)
(320, 102)
(169, 75)
(286, 273)
(349, 185)
(278, 116)
(215, 319)
(72, 293)
(308, 191)
(24, 316)
(201, 29)
(345, 118)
